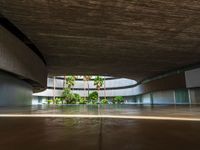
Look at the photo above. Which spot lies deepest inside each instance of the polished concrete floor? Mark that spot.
(126, 110)
(45, 133)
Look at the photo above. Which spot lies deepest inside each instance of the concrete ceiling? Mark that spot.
(130, 38)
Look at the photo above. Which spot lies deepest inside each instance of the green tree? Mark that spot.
(70, 81)
(50, 101)
(65, 93)
(104, 101)
(58, 100)
(70, 98)
(77, 97)
(93, 97)
(67, 96)
(98, 82)
(83, 100)
(118, 100)
(104, 88)
(87, 79)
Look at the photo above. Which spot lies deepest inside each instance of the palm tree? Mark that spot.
(84, 79)
(70, 81)
(54, 88)
(87, 79)
(104, 88)
(98, 82)
(64, 82)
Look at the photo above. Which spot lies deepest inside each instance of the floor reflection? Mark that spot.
(99, 133)
(95, 134)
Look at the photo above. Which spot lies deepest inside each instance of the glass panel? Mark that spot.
(182, 96)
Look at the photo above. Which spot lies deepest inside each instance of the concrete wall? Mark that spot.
(18, 59)
(14, 91)
(120, 82)
(174, 81)
(109, 93)
(109, 83)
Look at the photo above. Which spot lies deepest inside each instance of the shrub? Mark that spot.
(68, 97)
(50, 101)
(57, 100)
(104, 101)
(77, 98)
(71, 99)
(65, 93)
(83, 101)
(93, 97)
(118, 100)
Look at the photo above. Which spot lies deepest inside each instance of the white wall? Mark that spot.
(109, 93)
(81, 84)
(119, 82)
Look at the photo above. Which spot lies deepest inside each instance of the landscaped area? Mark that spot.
(70, 97)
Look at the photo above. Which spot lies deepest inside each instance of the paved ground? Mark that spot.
(189, 111)
(100, 133)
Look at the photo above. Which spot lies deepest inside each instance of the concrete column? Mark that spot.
(151, 98)
(14, 91)
(174, 93)
(190, 100)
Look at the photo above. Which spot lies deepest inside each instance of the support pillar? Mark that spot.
(14, 91)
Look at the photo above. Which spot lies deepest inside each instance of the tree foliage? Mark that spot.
(83, 101)
(50, 101)
(118, 100)
(70, 81)
(104, 101)
(68, 97)
(87, 78)
(93, 97)
(58, 100)
(98, 82)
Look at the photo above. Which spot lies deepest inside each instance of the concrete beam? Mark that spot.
(176, 81)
